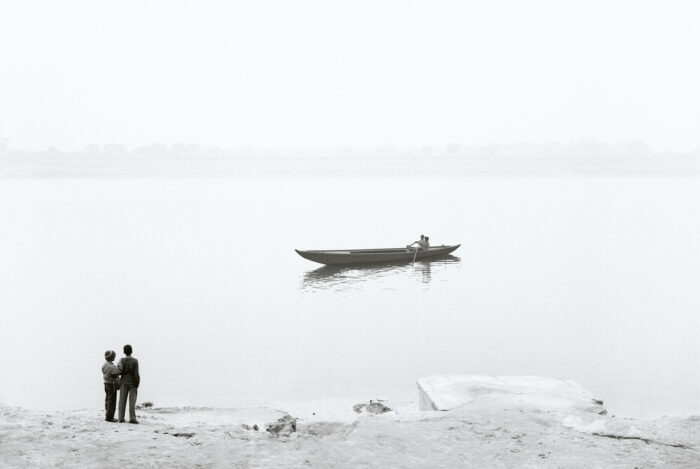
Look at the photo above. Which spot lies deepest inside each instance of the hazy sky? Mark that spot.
(355, 73)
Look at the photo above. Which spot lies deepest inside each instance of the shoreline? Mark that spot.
(495, 429)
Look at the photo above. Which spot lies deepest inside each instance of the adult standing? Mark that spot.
(128, 366)
(110, 376)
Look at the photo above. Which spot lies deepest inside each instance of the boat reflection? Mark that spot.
(348, 277)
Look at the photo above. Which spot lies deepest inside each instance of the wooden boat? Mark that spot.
(364, 256)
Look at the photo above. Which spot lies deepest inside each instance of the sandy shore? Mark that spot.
(485, 433)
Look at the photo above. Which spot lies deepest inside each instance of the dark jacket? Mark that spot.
(129, 369)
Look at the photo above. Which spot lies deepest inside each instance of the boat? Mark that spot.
(366, 256)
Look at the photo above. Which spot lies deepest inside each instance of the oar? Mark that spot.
(414, 256)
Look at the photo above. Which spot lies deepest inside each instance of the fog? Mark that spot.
(313, 73)
(160, 161)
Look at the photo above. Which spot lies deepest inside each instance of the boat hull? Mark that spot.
(367, 256)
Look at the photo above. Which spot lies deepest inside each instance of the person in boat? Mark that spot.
(423, 243)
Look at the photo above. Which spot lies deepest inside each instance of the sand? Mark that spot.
(494, 430)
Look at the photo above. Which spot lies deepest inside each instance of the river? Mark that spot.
(593, 279)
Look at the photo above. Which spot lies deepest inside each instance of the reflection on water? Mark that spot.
(349, 277)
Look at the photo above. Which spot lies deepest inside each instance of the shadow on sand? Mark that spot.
(331, 277)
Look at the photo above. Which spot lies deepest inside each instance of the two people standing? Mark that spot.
(128, 369)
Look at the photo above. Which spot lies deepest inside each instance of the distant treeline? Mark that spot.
(191, 160)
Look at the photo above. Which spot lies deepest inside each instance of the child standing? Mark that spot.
(110, 375)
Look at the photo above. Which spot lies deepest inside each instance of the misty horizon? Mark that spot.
(363, 75)
(579, 148)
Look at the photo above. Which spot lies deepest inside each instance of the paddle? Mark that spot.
(414, 256)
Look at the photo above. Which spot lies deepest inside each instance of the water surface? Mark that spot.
(590, 279)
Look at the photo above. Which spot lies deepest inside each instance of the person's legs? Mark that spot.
(110, 401)
(106, 398)
(132, 403)
(123, 391)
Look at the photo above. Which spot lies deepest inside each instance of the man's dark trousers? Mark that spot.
(130, 391)
(110, 400)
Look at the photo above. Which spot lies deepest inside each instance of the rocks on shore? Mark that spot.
(443, 393)
(284, 426)
(373, 408)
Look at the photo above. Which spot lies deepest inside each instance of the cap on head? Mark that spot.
(422, 236)
(127, 349)
(110, 355)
